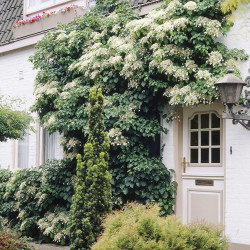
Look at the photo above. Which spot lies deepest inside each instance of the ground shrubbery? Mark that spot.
(140, 227)
(12, 241)
(36, 202)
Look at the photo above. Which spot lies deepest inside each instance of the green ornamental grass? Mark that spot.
(140, 227)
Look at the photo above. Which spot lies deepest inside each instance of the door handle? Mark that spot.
(184, 164)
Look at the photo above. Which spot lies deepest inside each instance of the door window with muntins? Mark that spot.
(205, 139)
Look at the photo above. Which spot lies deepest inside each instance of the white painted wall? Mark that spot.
(237, 164)
(17, 80)
(237, 168)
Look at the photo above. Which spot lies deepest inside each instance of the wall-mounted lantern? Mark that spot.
(230, 88)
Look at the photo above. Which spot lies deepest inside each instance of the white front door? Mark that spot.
(202, 164)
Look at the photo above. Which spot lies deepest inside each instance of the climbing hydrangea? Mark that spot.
(169, 56)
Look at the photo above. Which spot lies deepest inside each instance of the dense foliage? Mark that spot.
(13, 122)
(92, 198)
(12, 241)
(141, 63)
(36, 203)
(231, 5)
(139, 227)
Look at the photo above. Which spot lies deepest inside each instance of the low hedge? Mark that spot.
(139, 227)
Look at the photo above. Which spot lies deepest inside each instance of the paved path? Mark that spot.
(49, 247)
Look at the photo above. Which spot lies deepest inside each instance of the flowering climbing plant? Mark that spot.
(170, 56)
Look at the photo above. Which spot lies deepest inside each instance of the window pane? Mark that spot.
(204, 138)
(23, 152)
(205, 121)
(49, 146)
(194, 156)
(215, 137)
(215, 121)
(33, 3)
(194, 122)
(204, 155)
(194, 138)
(215, 155)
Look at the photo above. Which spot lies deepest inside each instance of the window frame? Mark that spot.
(210, 146)
(44, 6)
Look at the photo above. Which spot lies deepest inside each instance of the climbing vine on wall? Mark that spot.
(169, 57)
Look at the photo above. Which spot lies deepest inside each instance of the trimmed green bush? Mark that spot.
(140, 227)
(92, 199)
(36, 203)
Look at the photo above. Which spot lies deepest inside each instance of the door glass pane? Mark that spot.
(194, 138)
(204, 155)
(194, 156)
(204, 138)
(215, 138)
(205, 121)
(215, 155)
(194, 122)
(215, 121)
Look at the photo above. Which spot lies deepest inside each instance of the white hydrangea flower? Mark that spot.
(116, 137)
(203, 74)
(211, 31)
(64, 95)
(70, 85)
(190, 65)
(154, 64)
(52, 91)
(181, 74)
(41, 199)
(61, 36)
(191, 5)
(22, 227)
(95, 36)
(18, 195)
(191, 99)
(51, 120)
(215, 58)
(23, 184)
(180, 22)
(116, 28)
(159, 53)
(115, 60)
(171, 6)
(133, 83)
(73, 142)
(31, 190)
(21, 214)
(185, 90)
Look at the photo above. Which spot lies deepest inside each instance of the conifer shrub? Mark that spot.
(141, 227)
(92, 199)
